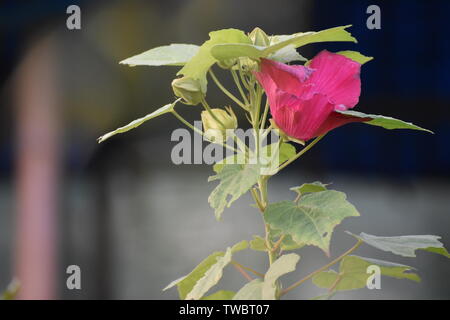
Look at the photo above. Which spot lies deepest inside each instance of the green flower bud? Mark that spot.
(214, 131)
(188, 89)
(227, 63)
(259, 37)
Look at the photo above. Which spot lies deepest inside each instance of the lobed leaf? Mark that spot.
(315, 186)
(405, 246)
(220, 295)
(355, 56)
(353, 274)
(259, 243)
(338, 34)
(136, 123)
(176, 54)
(211, 277)
(286, 151)
(235, 180)
(187, 283)
(251, 291)
(382, 121)
(282, 47)
(198, 66)
(312, 220)
(284, 264)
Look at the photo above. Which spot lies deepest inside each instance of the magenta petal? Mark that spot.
(337, 77)
(304, 118)
(335, 120)
(287, 78)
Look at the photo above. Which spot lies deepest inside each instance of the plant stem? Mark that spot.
(312, 274)
(242, 271)
(266, 111)
(186, 123)
(208, 108)
(256, 273)
(224, 90)
(238, 84)
(278, 243)
(336, 282)
(303, 151)
(257, 201)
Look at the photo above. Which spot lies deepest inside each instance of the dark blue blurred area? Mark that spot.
(408, 79)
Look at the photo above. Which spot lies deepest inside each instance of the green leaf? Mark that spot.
(284, 264)
(326, 296)
(311, 221)
(310, 187)
(286, 151)
(136, 123)
(235, 180)
(405, 246)
(382, 121)
(199, 65)
(297, 40)
(277, 50)
(353, 273)
(174, 283)
(287, 243)
(286, 55)
(259, 244)
(251, 291)
(186, 284)
(211, 277)
(236, 50)
(239, 246)
(355, 56)
(176, 54)
(220, 295)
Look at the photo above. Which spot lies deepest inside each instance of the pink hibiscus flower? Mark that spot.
(303, 100)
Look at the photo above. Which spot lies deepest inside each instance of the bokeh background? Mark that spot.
(131, 219)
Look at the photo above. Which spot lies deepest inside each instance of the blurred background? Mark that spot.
(131, 219)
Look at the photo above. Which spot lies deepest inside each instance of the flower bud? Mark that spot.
(227, 63)
(188, 89)
(259, 37)
(214, 131)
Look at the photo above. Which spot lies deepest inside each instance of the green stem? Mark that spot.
(208, 108)
(224, 90)
(186, 123)
(266, 111)
(256, 273)
(238, 84)
(242, 271)
(303, 151)
(325, 267)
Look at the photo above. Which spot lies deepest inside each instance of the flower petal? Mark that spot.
(335, 120)
(337, 77)
(285, 77)
(302, 119)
